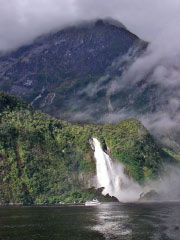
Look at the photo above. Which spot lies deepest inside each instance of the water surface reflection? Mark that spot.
(156, 221)
(159, 221)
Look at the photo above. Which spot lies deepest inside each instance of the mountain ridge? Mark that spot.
(83, 74)
(60, 64)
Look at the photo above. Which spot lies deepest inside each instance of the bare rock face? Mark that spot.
(80, 74)
(53, 72)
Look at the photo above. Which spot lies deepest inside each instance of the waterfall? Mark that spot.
(111, 175)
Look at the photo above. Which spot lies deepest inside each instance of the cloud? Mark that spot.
(146, 18)
(23, 20)
(154, 20)
(159, 66)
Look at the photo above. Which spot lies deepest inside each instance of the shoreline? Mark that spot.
(47, 204)
(38, 204)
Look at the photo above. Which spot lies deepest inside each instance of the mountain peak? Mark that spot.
(52, 71)
(109, 21)
(98, 22)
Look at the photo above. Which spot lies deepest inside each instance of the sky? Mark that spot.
(23, 20)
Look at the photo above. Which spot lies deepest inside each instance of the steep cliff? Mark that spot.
(52, 72)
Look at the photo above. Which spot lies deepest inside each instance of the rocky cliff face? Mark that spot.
(80, 74)
(52, 72)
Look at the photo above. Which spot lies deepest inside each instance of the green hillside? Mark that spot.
(45, 160)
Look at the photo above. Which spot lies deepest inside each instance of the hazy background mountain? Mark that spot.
(82, 61)
(98, 72)
(123, 81)
(65, 73)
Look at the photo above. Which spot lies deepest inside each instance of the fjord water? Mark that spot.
(111, 221)
(108, 221)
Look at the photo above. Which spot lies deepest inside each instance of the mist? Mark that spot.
(156, 21)
(158, 66)
(21, 21)
(111, 175)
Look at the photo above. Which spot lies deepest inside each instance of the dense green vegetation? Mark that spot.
(45, 160)
(11, 103)
(131, 143)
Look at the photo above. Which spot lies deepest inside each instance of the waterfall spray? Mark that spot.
(112, 177)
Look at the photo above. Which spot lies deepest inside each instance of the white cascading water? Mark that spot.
(112, 177)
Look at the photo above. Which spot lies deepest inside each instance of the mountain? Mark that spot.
(86, 73)
(45, 160)
(53, 71)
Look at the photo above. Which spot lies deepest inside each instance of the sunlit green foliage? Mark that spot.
(131, 144)
(45, 160)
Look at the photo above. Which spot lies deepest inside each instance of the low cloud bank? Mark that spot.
(156, 21)
(23, 20)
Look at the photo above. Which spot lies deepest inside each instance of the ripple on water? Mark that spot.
(112, 226)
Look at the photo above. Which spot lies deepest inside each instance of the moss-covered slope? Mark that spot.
(43, 159)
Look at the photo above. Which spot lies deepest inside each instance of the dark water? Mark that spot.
(107, 221)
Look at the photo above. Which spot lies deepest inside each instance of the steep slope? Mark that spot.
(88, 73)
(47, 160)
(51, 73)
